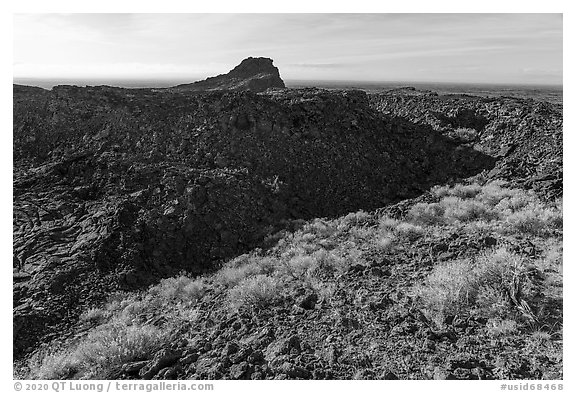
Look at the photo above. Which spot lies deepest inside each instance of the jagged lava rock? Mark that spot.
(117, 188)
(524, 135)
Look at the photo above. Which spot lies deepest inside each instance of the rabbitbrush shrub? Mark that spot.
(487, 286)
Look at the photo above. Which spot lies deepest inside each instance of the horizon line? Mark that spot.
(65, 81)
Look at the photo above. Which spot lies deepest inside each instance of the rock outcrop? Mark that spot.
(116, 188)
(525, 136)
(253, 74)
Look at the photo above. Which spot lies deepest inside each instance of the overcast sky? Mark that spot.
(491, 48)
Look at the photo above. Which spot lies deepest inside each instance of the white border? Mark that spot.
(259, 6)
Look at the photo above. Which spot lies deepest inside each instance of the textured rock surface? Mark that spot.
(524, 135)
(253, 74)
(370, 329)
(115, 188)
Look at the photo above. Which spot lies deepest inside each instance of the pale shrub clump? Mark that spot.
(457, 209)
(535, 219)
(354, 219)
(489, 207)
(459, 190)
(255, 292)
(427, 213)
(244, 266)
(482, 286)
(178, 288)
(408, 231)
(107, 346)
(124, 331)
(449, 290)
(387, 224)
(464, 134)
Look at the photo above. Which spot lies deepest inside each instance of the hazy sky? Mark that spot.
(500, 48)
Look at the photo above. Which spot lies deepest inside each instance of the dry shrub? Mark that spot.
(406, 230)
(535, 219)
(464, 134)
(387, 224)
(245, 266)
(383, 243)
(485, 286)
(489, 207)
(106, 347)
(457, 209)
(178, 288)
(427, 213)
(449, 290)
(495, 191)
(459, 190)
(255, 292)
(466, 191)
(354, 219)
(362, 234)
(123, 331)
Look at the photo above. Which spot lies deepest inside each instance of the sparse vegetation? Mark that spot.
(464, 134)
(408, 231)
(499, 327)
(107, 346)
(493, 285)
(130, 327)
(491, 206)
(257, 291)
(513, 292)
(244, 267)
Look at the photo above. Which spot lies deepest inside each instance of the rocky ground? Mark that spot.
(348, 298)
(522, 134)
(116, 189)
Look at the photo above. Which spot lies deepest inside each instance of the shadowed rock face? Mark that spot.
(115, 188)
(253, 74)
(524, 135)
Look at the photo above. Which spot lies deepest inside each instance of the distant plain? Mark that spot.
(550, 93)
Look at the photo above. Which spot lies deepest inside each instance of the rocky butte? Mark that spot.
(116, 189)
(254, 74)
